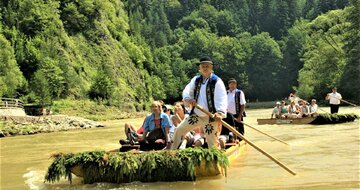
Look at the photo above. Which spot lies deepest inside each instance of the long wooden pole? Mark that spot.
(264, 133)
(347, 102)
(246, 140)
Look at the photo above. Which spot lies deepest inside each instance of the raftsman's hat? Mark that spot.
(232, 80)
(205, 60)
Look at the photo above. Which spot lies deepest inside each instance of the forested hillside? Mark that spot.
(126, 53)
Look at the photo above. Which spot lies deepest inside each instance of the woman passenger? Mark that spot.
(156, 129)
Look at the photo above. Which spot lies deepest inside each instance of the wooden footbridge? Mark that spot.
(11, 107)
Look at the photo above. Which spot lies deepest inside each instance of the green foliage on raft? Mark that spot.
(124, 167)
(325, 118)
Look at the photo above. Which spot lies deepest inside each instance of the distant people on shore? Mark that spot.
(334, 99)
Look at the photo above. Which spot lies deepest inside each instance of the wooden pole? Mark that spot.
(348, 102)
(264, 133)
(178, 117)
(246, 140)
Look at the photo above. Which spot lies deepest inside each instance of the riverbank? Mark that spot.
(66, 115)
(96, 111)
(28, 125)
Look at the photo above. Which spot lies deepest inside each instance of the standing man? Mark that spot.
(207, 90)
(334, 100)
(236, 105)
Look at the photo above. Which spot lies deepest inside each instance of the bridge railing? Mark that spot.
(11, 103)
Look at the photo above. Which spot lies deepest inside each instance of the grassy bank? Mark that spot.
(92, 110)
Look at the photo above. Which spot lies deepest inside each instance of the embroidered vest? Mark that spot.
(210, 89)
(237, 100)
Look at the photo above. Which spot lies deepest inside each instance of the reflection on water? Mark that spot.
(324, 157)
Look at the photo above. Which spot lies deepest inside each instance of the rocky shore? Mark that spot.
(27, 125)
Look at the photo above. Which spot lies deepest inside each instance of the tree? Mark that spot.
(263, 67)
(198, 43)
(102, 88)
(11, 78)
(349, 83)
(230, 56)
(293, 51)
(48, 82)
(324, 58)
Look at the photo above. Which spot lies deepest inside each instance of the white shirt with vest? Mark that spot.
(231, 101)
(334, 98)
(220, 101)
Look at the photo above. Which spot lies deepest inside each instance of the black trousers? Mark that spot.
(151, 146)
(230, 119)
(334, 108)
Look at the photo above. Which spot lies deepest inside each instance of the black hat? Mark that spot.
(205, 60)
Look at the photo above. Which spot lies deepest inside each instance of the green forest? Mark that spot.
(127, 53)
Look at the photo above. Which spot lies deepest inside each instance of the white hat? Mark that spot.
(278, 103)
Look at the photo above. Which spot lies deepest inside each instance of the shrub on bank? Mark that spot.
(92, 110)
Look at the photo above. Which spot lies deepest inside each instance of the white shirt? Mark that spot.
(219, 96)
(231, 101)
(313, 108)
(335, 98)
(276, 110)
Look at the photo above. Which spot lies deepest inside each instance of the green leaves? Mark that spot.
(325, 118)
(11, 78)
(99, 166)
(324, 58)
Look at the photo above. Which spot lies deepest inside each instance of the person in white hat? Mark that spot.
(276, 111)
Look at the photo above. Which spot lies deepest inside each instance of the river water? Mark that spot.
(325, 157)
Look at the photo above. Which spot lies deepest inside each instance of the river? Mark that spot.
(325, 157)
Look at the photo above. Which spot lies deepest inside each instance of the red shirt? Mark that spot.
(157, 123)
(140, 130)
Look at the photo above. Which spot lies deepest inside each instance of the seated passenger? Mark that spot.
(294, 110)
(294, 98)
(156, 129)
(132, 135)
(313, 108)
(191, 138)
(167, 109)
(304, 109)
(284, 110)
(179, 115)
(226, 136)
(276, 111)
(194, 138)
